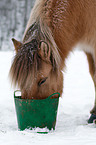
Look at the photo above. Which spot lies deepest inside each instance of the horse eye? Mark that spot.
(42, 81)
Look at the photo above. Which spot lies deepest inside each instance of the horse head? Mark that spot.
(34, 70)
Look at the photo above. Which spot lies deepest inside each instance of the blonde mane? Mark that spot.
(40, 16)
(38, 13)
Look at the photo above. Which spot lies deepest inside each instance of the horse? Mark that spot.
(54, 28)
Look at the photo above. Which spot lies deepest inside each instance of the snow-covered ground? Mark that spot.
(74, 107)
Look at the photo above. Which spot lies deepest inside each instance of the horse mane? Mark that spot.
(40, 17)
(39, 13)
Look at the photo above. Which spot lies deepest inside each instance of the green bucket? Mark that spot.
(36, 113)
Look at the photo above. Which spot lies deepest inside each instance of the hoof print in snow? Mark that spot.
(92, 119)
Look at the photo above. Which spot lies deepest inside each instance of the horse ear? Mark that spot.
(44, 51)
(17, 44)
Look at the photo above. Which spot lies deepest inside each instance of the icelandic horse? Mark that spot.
(54, 28)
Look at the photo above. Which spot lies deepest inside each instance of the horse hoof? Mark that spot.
(92, 119)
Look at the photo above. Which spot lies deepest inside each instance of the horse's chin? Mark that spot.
(35, 97)
(38, 96)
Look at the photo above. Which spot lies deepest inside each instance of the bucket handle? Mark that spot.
(15, 95)
(53, 95)
(48, 97)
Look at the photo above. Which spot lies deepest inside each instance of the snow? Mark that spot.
(73, 112)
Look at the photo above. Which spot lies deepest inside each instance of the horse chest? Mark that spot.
(87, 47)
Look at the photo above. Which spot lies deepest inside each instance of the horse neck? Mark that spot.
(70, 23)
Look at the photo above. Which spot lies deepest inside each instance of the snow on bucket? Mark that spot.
(36, 113)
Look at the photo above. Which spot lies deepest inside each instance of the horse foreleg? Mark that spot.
(92, 71)
(93, 111)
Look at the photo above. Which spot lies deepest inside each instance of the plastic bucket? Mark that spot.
(36, 113)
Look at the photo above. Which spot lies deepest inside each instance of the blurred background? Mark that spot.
(14, 15)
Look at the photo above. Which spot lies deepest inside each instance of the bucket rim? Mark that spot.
(49, 97)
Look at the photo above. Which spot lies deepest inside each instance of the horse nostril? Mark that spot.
(42, 81)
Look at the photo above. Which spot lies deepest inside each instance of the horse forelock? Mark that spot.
(26, 63)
